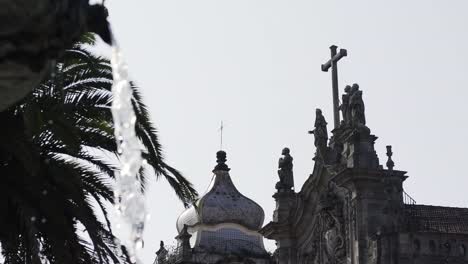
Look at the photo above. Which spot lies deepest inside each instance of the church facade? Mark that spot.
(351, 210)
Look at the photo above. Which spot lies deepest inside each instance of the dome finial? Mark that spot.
(221, 160)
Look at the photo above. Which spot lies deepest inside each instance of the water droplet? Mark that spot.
(43, 220)
(139, 243)
(44, 192)
(50, 122)
(33, 219)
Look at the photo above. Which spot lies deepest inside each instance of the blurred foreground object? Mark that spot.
(34, 33)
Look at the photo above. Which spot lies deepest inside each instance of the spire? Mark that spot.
(221, 160)
(161, 254)
(184, 250)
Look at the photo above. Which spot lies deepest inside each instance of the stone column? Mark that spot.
(285, 200)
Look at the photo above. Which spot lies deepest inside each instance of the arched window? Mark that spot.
(432, 246)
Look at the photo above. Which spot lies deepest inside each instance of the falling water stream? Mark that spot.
(130, 202)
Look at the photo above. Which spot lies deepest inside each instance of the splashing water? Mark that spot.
(130, 202)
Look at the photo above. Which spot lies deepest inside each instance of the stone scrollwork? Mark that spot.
(334, 233)
(329, 244)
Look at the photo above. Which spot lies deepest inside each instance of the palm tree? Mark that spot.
(55, 167)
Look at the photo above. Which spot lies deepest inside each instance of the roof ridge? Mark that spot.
(436, 206)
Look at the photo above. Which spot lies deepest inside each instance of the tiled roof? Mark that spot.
(439, 219)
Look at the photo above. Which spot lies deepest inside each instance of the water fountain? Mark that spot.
(130, 200)
(33, 34)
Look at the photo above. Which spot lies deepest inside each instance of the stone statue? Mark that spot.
(285, 170)
(320, 132)
(356, 106)
(344, 107)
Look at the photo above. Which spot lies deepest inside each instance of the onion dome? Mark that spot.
(223, 221)
(222, 203)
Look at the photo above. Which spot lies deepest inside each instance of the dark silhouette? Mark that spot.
(51, 183)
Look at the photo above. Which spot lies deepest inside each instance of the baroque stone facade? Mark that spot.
(353, 210)
(350, 210)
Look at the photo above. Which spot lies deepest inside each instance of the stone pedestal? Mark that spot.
(280, 228)
(284, 202)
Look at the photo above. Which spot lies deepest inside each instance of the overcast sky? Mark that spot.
(256, 65)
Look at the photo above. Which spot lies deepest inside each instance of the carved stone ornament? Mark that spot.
(329, 244)
(372, 251)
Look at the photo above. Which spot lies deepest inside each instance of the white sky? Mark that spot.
(256, 65)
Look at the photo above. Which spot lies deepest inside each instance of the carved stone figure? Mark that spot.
(356, 106)
(285, 170)
(344, 107)
(320, 133)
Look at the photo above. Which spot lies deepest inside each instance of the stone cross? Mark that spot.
(221, 128)
(333, 64)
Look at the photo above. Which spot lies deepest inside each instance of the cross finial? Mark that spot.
(333, 64)
(221, 128)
